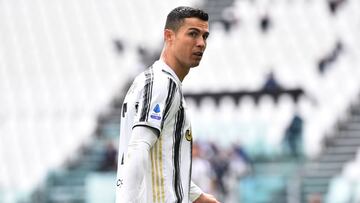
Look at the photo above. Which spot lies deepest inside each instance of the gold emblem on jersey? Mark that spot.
(188, 135)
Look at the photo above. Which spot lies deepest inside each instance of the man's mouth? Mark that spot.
(199, 53)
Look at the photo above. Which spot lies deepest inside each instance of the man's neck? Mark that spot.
(179, 70)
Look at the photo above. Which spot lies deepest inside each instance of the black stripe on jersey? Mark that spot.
(179, 123)
(169, 99)
(149, 80)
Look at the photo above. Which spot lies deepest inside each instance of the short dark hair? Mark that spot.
(176, 17)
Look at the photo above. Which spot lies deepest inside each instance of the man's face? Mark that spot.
(189, 42)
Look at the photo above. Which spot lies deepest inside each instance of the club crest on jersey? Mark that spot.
(188, 135)
(156, 113)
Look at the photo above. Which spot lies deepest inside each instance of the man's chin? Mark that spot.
(195, 64)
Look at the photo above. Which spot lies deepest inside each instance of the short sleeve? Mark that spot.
(155, 102)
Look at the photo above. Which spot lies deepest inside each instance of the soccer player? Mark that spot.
(154, 164)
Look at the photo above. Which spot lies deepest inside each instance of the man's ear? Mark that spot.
(168, 35)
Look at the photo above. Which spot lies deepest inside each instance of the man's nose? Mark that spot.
(201, 42)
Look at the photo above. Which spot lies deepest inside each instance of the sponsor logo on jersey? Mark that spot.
(119, 182)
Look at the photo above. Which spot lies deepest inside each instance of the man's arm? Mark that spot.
(198, 196)
(141, 141)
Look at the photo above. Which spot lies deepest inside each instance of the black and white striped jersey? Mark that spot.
(155, 100)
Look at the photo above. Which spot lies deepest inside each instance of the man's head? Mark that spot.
(185, 34)
(177, 16)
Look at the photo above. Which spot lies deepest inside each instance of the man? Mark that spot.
(154, 164)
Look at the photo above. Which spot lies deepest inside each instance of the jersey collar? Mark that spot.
(167, 68)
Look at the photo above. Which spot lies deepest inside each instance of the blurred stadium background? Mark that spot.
(275, 102)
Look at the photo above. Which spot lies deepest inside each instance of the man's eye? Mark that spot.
(193, 34)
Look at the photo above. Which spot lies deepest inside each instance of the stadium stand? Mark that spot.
(65, 67)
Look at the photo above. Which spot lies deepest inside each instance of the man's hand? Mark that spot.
(206, 198)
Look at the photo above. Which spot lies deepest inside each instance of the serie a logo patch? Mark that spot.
(156, 113)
